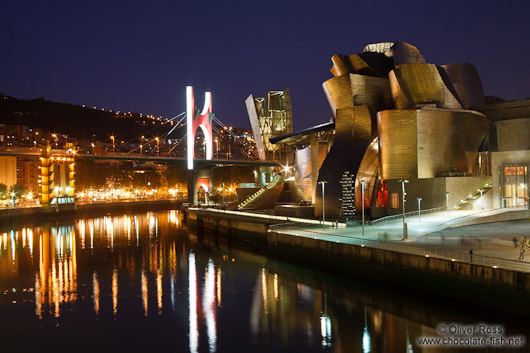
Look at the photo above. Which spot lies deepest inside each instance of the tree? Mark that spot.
(88, 175)
(18, 190)
(147, 178)
(3, 191)
(174, 175)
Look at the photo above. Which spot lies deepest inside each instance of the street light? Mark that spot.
(93, 146)
(157, 146)
(56, 140)
(419, 209)
(403, 181)
(362, 201)
(323, 183)
(447, 202)
(217, 147)
(112, 138)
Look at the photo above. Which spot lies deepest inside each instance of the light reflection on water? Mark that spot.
(110, 274)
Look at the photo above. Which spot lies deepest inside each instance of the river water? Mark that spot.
(142, 283)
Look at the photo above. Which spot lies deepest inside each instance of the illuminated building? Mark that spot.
(57, 178)
(396, 117)
(271, 117)
(28, 174)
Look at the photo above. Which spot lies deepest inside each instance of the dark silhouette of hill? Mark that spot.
(77, 121)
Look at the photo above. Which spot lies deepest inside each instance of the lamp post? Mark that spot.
(362, 202)
(157, 146)
(419, 209)
(112, 138)
(93, 146)
(323, 183)
(403, 181)
(481, 202)
(217, 147)
(141, 147)
(447, 202)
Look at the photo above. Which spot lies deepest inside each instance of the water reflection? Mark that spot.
(56, 278)
(192, 290)
(143, 269)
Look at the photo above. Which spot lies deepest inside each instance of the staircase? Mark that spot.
(264, 197)
(473, 196)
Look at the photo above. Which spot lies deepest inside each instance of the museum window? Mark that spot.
(514, 186)
(394, 200)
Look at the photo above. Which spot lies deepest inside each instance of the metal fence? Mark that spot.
(296, 230)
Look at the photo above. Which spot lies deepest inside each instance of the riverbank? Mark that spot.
(12, 216)
(492, 282)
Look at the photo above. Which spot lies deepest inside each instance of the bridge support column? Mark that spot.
(197, 179)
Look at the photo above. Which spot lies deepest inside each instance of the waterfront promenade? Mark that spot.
(490, 235)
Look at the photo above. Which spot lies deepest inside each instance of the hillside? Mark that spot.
(76, 121)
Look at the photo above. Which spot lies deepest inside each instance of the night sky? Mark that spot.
(140, 55)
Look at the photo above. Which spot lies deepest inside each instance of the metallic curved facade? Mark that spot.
(338, 93)
(405, 53)
(396, 116)
(367, 64)
(466, 81)
(421, 84)
(353, 129)
(369, 172)
(423, 143)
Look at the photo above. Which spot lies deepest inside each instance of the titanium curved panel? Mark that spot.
(338, 93)
(426, 142)
(405, 53)
(401, 100)
(397, 143)
(374, 92)
(466, 82)
(422, 84)
(343, 65)
(368, 171)
(303, 163)
(352, 137)
(366, 63)
(448, 141)
(340, 65)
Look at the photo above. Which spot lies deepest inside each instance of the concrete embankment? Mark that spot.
(11, 216)
(229, 226)
(240, 225)
(493, 287)
(498, 288)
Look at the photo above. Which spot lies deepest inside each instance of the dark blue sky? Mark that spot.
(140, 55)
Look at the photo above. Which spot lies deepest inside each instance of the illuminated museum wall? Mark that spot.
(416, 113)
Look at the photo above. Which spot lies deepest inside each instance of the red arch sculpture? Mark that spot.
(196, 119)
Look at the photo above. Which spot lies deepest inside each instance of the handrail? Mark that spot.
(291, 220)
(475, 215)
(408, 214)
(489, 261)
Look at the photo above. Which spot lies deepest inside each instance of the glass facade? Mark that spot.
(514, 186)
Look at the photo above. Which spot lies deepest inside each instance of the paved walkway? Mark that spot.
(492, 243)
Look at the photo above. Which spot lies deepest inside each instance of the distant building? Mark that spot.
(28, 174)
(8, 171)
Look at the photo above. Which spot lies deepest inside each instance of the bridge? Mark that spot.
(58, 165)
(199, 163)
